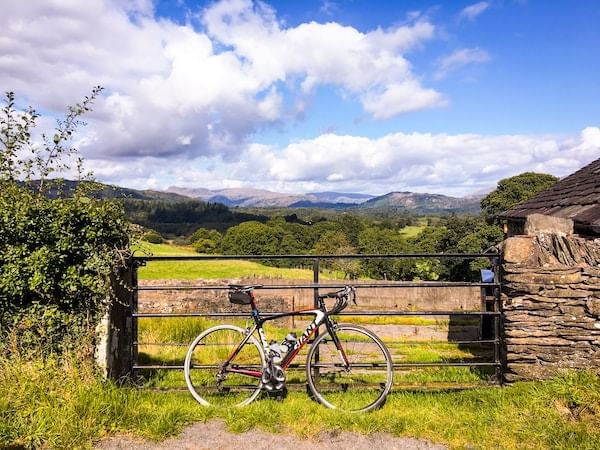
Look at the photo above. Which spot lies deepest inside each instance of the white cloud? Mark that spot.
(457, 164)
(472, 11)
(400, 98)
(460, 58)
(216, 86)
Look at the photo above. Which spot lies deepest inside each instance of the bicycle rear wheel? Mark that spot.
(211, 381)
(364, 385)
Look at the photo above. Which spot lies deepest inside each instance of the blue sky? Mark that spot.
(360, 96)
(541, 77)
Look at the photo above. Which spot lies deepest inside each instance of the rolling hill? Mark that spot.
(422, 203)
(393, 201)
(260, 198)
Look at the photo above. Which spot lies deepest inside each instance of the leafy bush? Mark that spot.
(56, 262)
(153, 237)
(58, 256)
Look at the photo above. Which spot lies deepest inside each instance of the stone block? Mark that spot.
(540, 223)
(520, 357)
(519, 250)
(550, 341)
(557, 277)
(593, 306)
(592, 271)
(592, 284)
(531, 371)
(577, 311)
(525, 333)
(568, 293)
(515, 268)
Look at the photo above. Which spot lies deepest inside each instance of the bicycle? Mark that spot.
(347, 368)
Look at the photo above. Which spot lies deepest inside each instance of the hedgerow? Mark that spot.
(58, 255)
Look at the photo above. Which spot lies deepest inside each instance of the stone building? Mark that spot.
(551, 279)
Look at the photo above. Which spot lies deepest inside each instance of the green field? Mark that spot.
(412, 231)
(213, 269)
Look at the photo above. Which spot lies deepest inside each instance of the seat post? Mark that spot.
(255, 312)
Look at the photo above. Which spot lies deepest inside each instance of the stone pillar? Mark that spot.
(551, 298)
(114, 352)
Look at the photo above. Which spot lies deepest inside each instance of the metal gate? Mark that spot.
(490, 313)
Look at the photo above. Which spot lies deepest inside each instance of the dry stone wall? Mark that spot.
(551, 299)
(463, 298)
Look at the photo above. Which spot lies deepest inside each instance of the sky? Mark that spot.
(347, 96)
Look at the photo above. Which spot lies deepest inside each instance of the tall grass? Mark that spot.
(63, 404)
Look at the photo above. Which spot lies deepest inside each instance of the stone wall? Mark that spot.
(453, 327)
(551, 300)
(378, 298)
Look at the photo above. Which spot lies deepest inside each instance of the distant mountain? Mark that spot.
(168, 213)
(260, 198)
(324, 205)
(339, 197)
(422, 203)
(400, 201)
(66, 188)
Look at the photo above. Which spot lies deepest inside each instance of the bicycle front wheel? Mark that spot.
(361, 386)
(219, 371)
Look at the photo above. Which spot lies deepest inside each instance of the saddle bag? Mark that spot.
(240, 298)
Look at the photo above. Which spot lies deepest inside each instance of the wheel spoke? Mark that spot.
(364, 384)
(207, 375)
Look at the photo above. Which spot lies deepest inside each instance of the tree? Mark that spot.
(252, 238)
(383, 241)
(50, 157)
(153, 237)
(513, 191)
(206, 241)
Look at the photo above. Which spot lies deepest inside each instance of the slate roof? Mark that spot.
(575, 197)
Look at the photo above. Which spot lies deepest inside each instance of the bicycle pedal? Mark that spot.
(279, 395)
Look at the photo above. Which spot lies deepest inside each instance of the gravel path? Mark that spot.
(214, 435)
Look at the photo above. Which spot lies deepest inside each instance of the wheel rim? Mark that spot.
(208, 383)
(366, 383)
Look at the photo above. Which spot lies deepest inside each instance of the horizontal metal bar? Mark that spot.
(156, 367)
(456, 364)
(186, 344)
(311, 257)
(354, 313)
(411, 387)
(395, 365)
(357, 284)
(162, 344)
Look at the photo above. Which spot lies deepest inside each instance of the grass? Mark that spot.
(62, 404)
(182, 331)
(412, 231)
(408, 320)
(190, 270)
(214, 269)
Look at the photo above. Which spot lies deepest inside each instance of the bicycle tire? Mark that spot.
(205, 358)
(368, 380)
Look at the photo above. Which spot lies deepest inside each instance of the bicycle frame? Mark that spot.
(321, 316)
